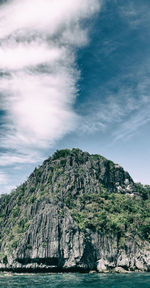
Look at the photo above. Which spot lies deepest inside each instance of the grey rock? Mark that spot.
(53, 241)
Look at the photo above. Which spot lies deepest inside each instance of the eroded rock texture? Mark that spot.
(49, 223)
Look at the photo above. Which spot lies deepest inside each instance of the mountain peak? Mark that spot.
(68, 207)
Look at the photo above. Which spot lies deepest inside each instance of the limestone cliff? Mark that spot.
(76, 212)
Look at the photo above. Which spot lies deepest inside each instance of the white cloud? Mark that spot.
(45, 16)
(12, 158)
(14, 56)
(37, 41)
(40, 107)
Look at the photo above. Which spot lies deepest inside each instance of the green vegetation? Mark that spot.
(111, 166)
(95, 157)
(61, 153)
(111, 212)
(43, 244)
(13, 222)
(143, 190)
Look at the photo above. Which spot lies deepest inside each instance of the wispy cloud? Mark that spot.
(134, 122)
(122, 114)
(10, 158)
(37, 60)
(135, 13)
(38, 41)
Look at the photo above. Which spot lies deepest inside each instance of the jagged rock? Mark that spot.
(120, 270)
(49, 224)
(102, 266)
(123, 261)
(139, 264)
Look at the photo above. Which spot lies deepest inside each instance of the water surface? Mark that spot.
(69, 280)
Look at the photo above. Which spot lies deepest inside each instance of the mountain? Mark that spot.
(76, 212)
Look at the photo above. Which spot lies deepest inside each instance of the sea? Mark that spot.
(75, 280)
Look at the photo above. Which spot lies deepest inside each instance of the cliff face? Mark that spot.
(64, 218)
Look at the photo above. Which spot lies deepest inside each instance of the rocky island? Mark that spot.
(76, 212)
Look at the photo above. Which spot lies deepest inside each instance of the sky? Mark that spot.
(74, 74)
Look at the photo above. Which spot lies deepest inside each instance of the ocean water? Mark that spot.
(70, 280)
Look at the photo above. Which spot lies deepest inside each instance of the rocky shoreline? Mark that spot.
(20, 271)
(71, 250)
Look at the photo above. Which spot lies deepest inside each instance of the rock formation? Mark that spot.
(76, 212)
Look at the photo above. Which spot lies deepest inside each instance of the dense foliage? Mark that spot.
(116, 213)
(143, 190)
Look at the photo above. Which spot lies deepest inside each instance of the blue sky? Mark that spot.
(74, 75)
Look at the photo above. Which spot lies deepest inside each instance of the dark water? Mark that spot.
(133, 280)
